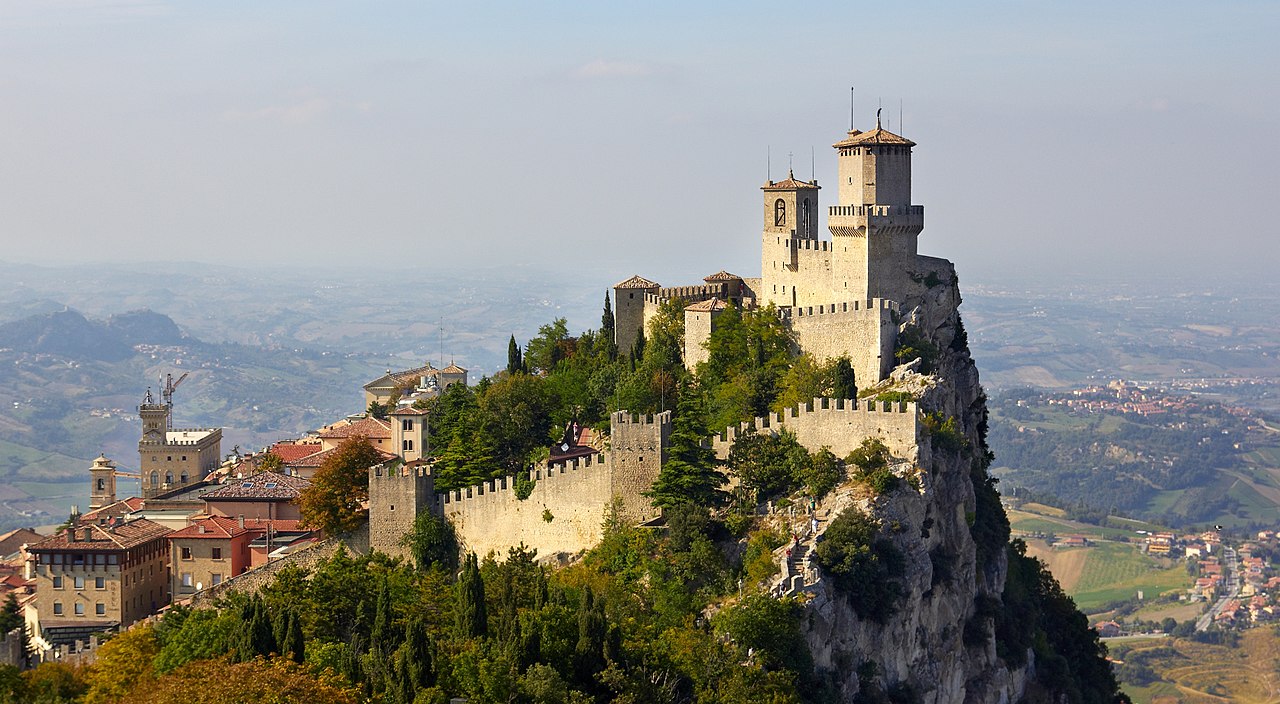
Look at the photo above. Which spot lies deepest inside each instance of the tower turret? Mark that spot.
(628, 310)
(874, 222)
(409, 433)
(102, 490)
(790, 241)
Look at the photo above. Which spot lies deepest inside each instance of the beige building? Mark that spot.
(208, 551)
(172, 458)
(422, 379)
(839, 296)
(97, 576)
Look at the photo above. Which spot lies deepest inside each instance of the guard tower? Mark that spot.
(874, 221)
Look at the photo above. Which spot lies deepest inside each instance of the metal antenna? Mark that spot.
(851, 110)
(768, 164)
(789, 167)
(900, 131)
(813, 165)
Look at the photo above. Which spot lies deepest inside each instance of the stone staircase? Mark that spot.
(795, 559)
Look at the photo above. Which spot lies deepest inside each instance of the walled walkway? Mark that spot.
(795, 559)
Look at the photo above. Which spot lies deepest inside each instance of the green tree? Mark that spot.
(378, 410)
(271, 462)
(768, 464)
(515, 416)
(334, 501)
(470, 619)
(865, 567)
(607, 328)
(432, 542)
(689, 475)
(515, 360)
(844, 382)
(546, 349)
(10, 614)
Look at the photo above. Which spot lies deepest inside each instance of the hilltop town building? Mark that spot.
(425, 380)
(170, 458)
(839, 296)
(97, 576)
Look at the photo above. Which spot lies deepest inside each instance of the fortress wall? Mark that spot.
(638, 447)
(838, 424)
(489, 517)
(794, 271)
(863, 331)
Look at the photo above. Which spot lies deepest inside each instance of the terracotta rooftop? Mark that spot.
(711, 304)
(454, 369)
(118, 537)
(371, 428)
(312, 461)
(214, 527)
(723, 275)
(120, 508)
(790, 184)
(268, 486)
(409, 411)
(877, 136)
(290, 451)
(637, 282)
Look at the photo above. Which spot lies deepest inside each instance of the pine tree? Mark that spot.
(469, 616)
(689, 476)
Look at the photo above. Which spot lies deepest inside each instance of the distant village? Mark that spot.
(202, 518)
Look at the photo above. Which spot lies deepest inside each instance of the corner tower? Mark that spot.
(874, 226)
(628, 311)
(790, 241)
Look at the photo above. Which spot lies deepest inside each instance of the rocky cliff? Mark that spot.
(944, 641)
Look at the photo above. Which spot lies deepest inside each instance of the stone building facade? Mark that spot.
(839, 296)
(171, 458)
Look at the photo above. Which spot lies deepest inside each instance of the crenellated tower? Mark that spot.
(874, 226)
(397, 493)
(790, 245)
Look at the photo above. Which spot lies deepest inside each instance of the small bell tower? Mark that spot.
(102, 475)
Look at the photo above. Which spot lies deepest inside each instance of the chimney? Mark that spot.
(200, 528)
(88, 534)
(240, 520)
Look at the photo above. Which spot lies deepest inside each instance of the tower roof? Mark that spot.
(790, 184)
(636, 282)
(712, 305)
(877, 136)
(723, 275)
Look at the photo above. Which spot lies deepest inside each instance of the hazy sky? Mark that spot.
(631, 137)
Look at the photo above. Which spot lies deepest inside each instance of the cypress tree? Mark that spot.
(844, 385)
(294, 644)
(470, 617)
(588, 654)
(515, 359)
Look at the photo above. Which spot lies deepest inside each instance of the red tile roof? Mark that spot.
(454, 369)
(371, 428)
(214, 527)
(117, 537)
(409, 411)
(290, 451)
(711, 304)
(848, 140)
(13, 541)
(873, 138)
(119, 508)
(312, 461)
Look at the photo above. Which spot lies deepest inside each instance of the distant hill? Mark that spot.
(67, 333)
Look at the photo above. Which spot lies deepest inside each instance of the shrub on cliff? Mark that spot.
(870, 461)
(865, 567)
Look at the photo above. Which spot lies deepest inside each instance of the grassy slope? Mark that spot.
(1213, 673)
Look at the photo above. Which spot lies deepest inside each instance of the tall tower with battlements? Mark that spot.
(874, 226)
(790, 248)
(397, 493)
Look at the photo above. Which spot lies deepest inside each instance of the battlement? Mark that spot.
(398, 471)
(880, 211)
(837, 423)
(874, 304)
(629, 418)
(496, 489)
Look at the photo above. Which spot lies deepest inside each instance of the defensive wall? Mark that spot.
(863, 331)
(838, 424)
(564, 513)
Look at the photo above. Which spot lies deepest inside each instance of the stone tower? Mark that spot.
(638, 447)
(628, 310)
(397, 494)
(789, 243)
(102, 477)
(874, 227)
(170, 458)
(409, 433)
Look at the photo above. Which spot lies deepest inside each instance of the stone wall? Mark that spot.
(396, 495)
(863, 331)
(839, 425)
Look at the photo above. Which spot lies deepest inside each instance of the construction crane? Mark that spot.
(169, 386)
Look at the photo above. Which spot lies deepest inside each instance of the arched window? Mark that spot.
(102, 484)
(779, 213)
(155, 479)
(183, 477)
(168, 477)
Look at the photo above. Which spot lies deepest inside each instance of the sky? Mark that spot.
(1056, 140)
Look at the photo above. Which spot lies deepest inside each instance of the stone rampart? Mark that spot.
(839, 425)
(563, 514)
(863, 331)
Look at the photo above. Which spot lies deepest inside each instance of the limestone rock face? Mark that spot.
(922, 646)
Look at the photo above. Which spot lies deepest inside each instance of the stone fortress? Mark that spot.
(841, 297)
